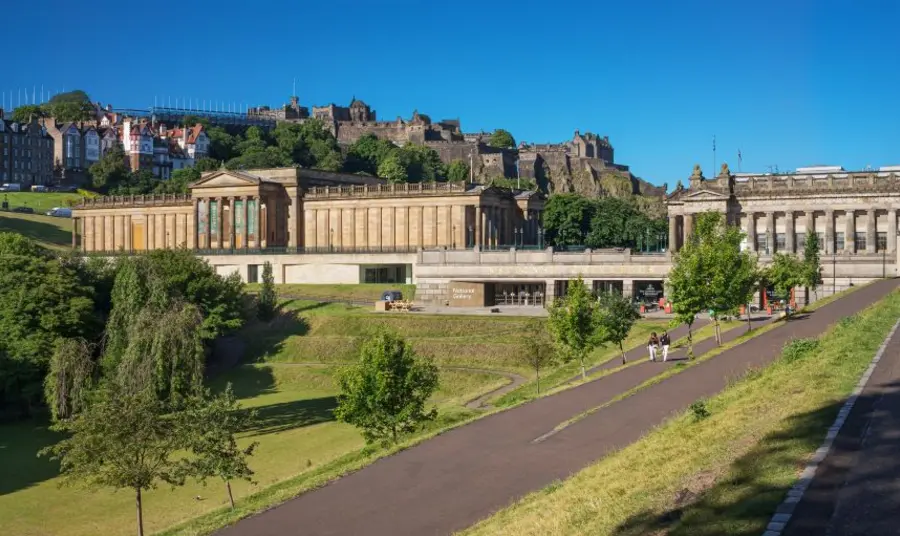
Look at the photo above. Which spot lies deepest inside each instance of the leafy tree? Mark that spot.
(615, 319)
(323, 150)
(70, 106)
(730, 274)
(121, 440)
(812, 265)
(178, 182)
(423, 164)
(785, 273)
(191, 120)
(537, 349)
(502, 138)
(367, 153)
(687, 287)
(575, 323)
(566, 217)
(268, 300)
(269, 157)
(393, 169)
(458, 171)
(111, 171)
(221, 144)
(215, 421)
(385, 393)
(207, 164)
(24, 113)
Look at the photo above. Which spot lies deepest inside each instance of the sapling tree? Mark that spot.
(267, 302)
(386, 391)
(616, 318)
(574, 323)
(812, 265)
(537, 349)
(686, 287)
(785, 273)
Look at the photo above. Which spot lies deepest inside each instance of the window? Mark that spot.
(761, 244)
(881, 242)
(780, 244)
(860, 239)
(839, 241)
(800, 240)
(821, 237)
(253, 273)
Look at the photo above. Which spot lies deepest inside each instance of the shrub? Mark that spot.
(798, 348)
(699, 410)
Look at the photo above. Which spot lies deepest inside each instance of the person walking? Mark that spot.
(665, 342)
(652, 345)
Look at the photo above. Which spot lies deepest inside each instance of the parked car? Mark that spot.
(24, 210)
(60, 212)
(391, 295)
(39, 188)
(11, 187)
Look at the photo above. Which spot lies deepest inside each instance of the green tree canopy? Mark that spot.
(111, 171)
(503, 139)
(616, 317)
(458, 171)
(566, 217)
(367, 153)
(785, 273)
(70, 106)
(385, 393)
(575, 323)
(392, 168)
(24, 113)
(812, 265)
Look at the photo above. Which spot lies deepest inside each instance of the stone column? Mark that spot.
(245, 202)
(673, 234)
(74, 232)
(128, 245)
(789, 231)
(476, 238)
(262, 223)
(315, 229)
(751, 230)
(232, 234)
(192, 237)
(770, 233)
(147, 233)
(220, 225)
(688, 228)
(892, 231)
(292, 223)
(871, 236)
(849, 232)
(829, 232)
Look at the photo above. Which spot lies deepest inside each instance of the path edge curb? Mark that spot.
(785, 510)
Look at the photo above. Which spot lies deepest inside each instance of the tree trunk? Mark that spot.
(583, 371)
(394, 433)
(537, 372)
(717, 332)
(230, 496)
(140, 513)
(621, 349)
(690, 341)
(749, 324)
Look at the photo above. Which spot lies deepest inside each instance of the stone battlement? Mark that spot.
(387, 190)
(126, 201)
(849, 181)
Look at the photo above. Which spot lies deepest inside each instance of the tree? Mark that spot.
(616, 318)
(423, 164)
(458, 171)
(686, 286)
(70, 106)
(268, 300)
(503, 139)
(731, 274)
(178, 182)
(367, 153)
(812, 266)
(214, 422)
(385, 393)
(207, 164)
(575, 323)
(24, 113)
(785, 273)
(121, 440)
(221, 144)
(111, 171)
(537, 349)
(566, 218)
(392, 169)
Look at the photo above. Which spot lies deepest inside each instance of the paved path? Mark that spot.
(451, 481)
(856, 490)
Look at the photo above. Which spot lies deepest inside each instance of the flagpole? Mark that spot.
(714, 156)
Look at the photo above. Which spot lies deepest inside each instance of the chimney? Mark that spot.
(184, 136)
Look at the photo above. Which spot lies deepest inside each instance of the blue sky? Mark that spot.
(789, 83)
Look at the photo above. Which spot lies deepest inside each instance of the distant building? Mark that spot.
(26, 153)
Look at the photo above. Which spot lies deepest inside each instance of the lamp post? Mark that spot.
(883, 262)
(331, 241)
(833, 272)
(453, 238)
(541, 233)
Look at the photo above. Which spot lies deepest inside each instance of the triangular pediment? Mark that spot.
(224, 179)
(705, 195)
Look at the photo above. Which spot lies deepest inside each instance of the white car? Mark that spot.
(60, 212)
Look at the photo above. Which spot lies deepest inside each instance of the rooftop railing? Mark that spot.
(386, 190)
(153, 200)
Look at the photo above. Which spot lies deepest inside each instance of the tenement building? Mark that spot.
(467, 245)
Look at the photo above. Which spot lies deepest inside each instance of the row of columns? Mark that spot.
(790, 232)
(258, 231)
(494, 227)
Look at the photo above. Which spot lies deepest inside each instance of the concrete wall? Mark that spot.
(322, 273)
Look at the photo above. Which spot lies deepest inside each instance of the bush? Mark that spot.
(798, 348)
(699, 410)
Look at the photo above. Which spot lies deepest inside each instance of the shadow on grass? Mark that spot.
(20, 466)
(742, 502)
(295, 414)
(263, 339)
(35, 229)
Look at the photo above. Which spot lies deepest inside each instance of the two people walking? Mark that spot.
(656, 342)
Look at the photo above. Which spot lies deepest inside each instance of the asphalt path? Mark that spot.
(457, 478)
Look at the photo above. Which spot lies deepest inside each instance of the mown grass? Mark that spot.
(721, 474)
(50, 232)
(299, 441)
(41, 202)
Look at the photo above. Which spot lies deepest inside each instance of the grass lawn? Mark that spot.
(296, 431)
(50, 232)
(41, 202)
(723, 474)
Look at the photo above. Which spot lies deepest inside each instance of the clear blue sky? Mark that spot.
(789, 83)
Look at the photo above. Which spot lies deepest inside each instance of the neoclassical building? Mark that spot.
(307, 211)
(854, 214)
